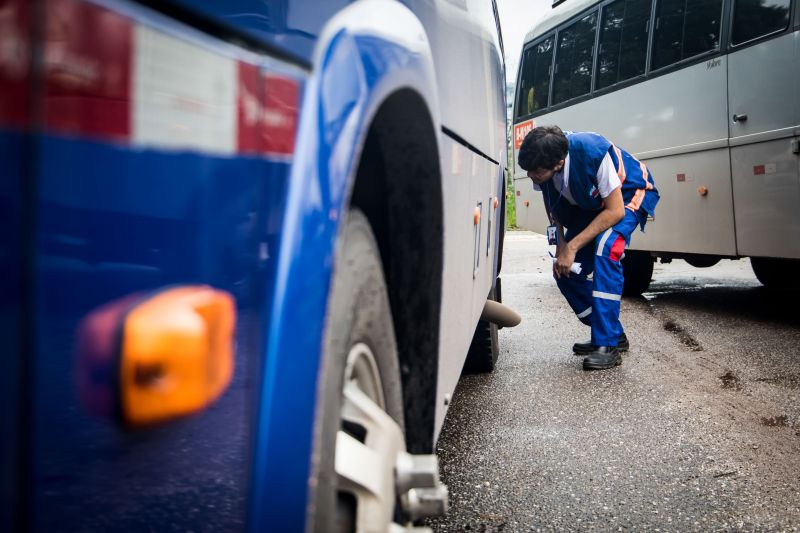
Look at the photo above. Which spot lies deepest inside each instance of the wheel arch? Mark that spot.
(367, 54)
(398, 187)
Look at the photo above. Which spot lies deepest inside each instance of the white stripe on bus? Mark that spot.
(184, 96)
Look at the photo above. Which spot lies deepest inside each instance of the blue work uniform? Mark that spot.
(595, 293)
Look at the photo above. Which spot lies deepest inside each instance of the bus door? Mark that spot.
(763, 89)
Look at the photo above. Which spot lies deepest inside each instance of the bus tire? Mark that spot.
(637, 268)
(484, 348)
(776, 273)
(701, 261)
(359, 348)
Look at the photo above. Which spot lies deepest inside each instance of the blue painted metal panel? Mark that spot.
(12, 148)
(291, 26)
(114, 221)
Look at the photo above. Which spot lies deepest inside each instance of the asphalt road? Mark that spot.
(698, 429)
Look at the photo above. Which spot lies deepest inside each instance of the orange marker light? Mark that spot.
(176, 354)
(151, 357)
(527, 203)
(477, 216)
(702, 190)
(496, 202)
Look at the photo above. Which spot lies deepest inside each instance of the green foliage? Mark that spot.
(511, 195)
(511, 205)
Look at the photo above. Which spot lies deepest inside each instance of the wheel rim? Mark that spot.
(362, 370)
(367, 445)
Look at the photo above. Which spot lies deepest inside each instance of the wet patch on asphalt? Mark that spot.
(671, 325)
(684, 336)
(730, 381)
(784, 381)
(775, 421)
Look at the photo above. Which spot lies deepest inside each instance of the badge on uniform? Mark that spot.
(552, 235)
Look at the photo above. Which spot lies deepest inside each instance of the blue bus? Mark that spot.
(246, 252)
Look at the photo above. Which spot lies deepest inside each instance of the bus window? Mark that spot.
(623, 41)
(685, 28)
(755, 18)
(573, 76)
(535, 80)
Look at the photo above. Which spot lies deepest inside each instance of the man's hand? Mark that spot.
(565, 256)
(613, 211)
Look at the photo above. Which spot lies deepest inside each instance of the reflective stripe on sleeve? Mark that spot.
(645, 176)
(621, 170)
(585, 313)
(636, 201)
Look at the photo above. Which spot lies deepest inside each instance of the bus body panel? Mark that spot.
(764, 168)
(209, 229)
(467, 28)
(728, 188)
(469, 258)
(686, 221)
(687, 148)
(113, 212)
(144, 175)
(14, 152)
(291, 27)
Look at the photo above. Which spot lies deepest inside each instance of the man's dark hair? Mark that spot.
(543, 147)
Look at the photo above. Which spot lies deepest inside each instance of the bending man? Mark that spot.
(595, 195)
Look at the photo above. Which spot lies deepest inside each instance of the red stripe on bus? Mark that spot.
(250, 108)
(280, 114)
(87, 70)
(15, 62)
(267, 110)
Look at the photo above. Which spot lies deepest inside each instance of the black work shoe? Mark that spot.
(585, 348)
(602, 357)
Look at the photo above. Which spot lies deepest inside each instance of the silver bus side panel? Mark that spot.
(687, 111)
(764, 84)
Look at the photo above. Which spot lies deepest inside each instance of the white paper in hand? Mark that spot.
(575, 268)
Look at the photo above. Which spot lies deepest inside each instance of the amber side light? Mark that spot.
(151, 357)
(176, 354)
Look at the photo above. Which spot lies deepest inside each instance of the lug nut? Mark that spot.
(416, 472)
(425, 503)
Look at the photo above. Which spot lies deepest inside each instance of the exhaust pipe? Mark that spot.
(499, 314)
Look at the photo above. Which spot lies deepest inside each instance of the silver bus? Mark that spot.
(706, 93)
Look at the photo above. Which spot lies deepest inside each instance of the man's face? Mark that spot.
(541, 175)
